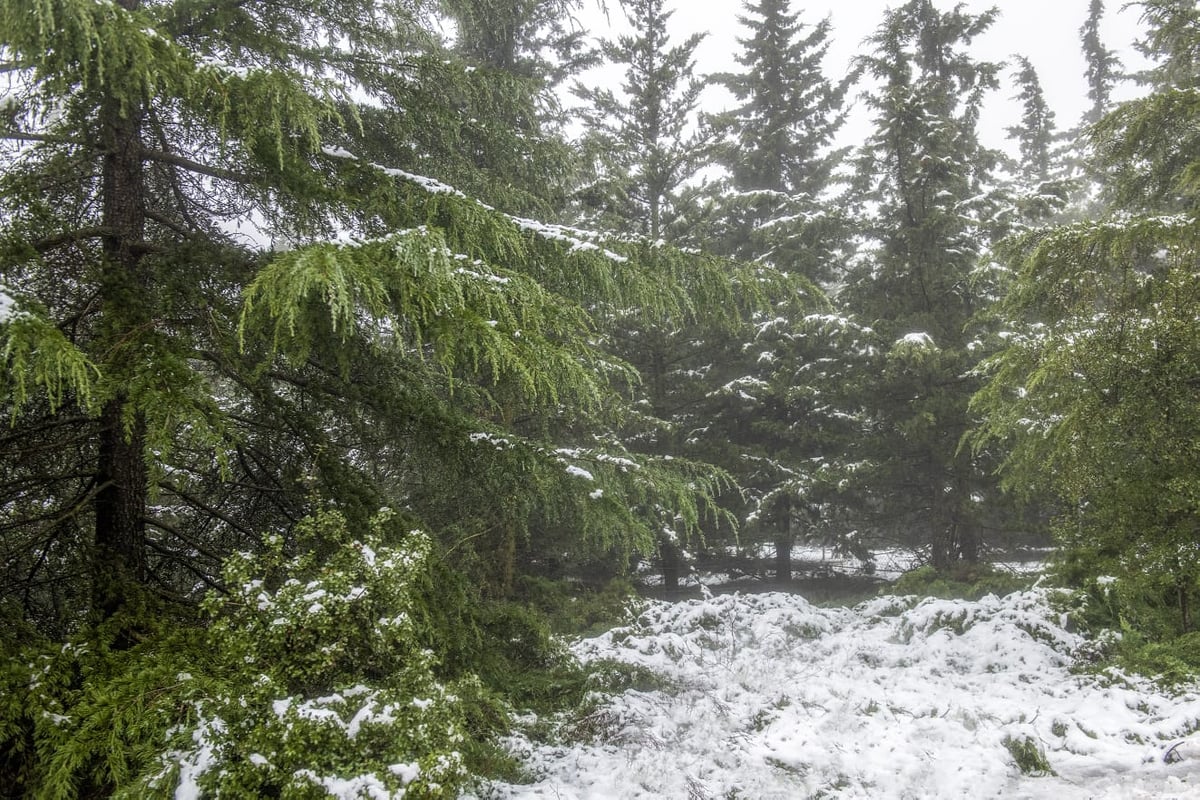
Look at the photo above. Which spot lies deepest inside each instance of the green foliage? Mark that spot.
(642, 143)
(932, 186)
(1095, 390)
(312, 673)
(967, 582)
(574, 609)
(36, 354)
(1029, 755)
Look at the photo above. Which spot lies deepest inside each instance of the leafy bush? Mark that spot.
(1132, 629)
(311, 678)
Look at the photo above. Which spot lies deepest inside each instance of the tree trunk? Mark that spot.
(672, 565)
(783, 559)
(783, 545)
(120, 510)
(120, 533)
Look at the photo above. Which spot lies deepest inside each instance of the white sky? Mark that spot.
(1045, 31)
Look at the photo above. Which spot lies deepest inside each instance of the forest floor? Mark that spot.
(762, 695)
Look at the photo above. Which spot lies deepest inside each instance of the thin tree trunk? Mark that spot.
(120, 533)
(783, 546)
(671, 565)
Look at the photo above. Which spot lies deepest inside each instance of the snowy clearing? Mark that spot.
(767, 696)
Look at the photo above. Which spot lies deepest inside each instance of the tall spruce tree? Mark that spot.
(1040, 186)
(774, 209)
(645, 141)
(930, 177)
(777, 145)
(644, 146)
(1103, 65)
(1036, 132)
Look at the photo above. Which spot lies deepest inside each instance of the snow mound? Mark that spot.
(767, 696)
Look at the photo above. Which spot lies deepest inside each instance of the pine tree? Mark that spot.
(1040, 187)
(536, 39)
(775, 210)
(1096, 388)
(1103, 65)
(178, 394)
(229, 302)
(1035, 134)
(931, 179)
(777, 146)
(645, 141)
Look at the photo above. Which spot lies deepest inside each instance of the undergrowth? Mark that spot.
(967, 583)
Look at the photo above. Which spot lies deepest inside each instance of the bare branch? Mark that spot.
(196, 166)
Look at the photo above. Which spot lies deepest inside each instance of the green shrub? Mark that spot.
(967, 583)
(312, 674)
(1029, 756)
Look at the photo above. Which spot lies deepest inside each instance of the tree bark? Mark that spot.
(783, 545)
(671, 565)
(120, 510)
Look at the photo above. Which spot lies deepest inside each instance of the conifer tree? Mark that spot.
(931, 178)
(1096, 389)
(229, 302)
(644, 140)
(775, 209)
(366, 368)
(1040, 187)
(1103, 65)
(1035, 133)
(777, 146)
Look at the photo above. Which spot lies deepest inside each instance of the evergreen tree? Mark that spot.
(1040, 188)
(777, 146)
(229, 303)
(774, 210)
(538, 39)
(1103, 65)
(645, 141)
(1096, 390)
(1170, 44)
(1035, 134)
(931, 179)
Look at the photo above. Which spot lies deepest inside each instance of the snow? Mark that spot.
(580, 472)
(767, 696)
(8, 306)
(918, 339)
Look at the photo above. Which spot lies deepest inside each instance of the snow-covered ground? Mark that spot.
(767, 696)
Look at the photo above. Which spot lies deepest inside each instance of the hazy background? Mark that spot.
(1044, 31)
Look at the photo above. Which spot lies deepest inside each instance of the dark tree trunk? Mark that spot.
(672, 565)
(120, 510)
(120, 534)
(783, 544)
(783, 559)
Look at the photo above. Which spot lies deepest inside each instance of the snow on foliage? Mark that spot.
(8, 306)
(919, 339)
(575, 238)
(768, 696)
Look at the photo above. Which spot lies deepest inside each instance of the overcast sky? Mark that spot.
(1045, 31)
